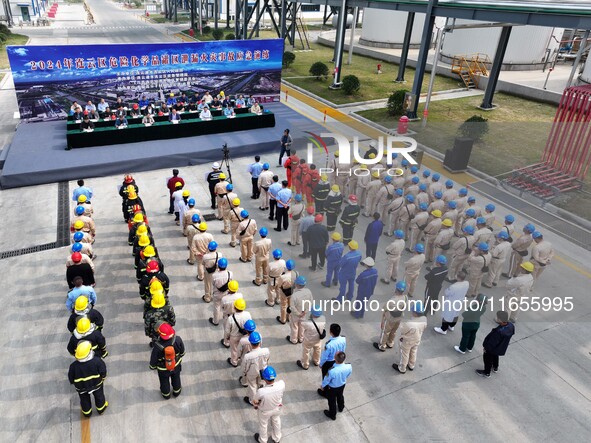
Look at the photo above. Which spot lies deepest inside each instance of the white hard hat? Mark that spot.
(216, 165)
(369, 262)
(372, 144)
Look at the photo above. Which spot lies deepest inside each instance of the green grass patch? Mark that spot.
(160, 18)
(13, 39)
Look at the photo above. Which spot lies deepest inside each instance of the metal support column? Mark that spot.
(422, 61)
(227, 13)
(493, 77)
(282, 18)
(215, 13)
(245, 19)
(340, 44)
(410, 20)
(237, 9)
(353, 26)
(258, 19)
(294, 11)
(193, 14)
(577, 61)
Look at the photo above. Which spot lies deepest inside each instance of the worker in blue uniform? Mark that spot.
(348, 270)
(334, 253)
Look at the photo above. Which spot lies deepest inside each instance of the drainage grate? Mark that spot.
(29, 250)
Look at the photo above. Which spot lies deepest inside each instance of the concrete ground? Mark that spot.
(542, 391)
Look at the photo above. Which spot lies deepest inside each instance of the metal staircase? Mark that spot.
(470, 68)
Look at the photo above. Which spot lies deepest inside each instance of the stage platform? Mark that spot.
(37, 154)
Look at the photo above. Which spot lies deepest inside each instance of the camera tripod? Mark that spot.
(226, 161)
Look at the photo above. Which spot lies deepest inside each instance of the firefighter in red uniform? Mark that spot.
(298, 175)
(290, 164)
(309, 183)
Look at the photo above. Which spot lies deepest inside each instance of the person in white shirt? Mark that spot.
(205, 114)
(269, 403)
(253, 363)
(102, 106)
(452, 304)
(255, 108)
(148, 119)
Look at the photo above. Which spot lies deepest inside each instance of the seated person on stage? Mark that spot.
(144, 102)
(93, 115)
(216, 103)
(192, 107)
(78, 115)
(149, 110)
(148, 119)
(171, 100)
(207, 98)
(174, 116)
(200, 105)
(107, 114)
(102, 108)
(251, 101)
(164, 109)
(121, 122)
(256, 109)
(229, 112)
(74, 108)
(184, 99)
(205, 114)
(240, 103)
(194, 98)
(86, 125)
(120, 103)
(121, 111)
(135, 111)
(226, 102)
(89, 106)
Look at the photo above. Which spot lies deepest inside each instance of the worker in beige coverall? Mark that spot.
(253, 363)
(442, 242)
(226, 204)
(393, 253)
(314, 332)
(541, 254)
(371, 194)
(245, 233)
(392, 317)
(199, 247)
(412, 268)
(276, 268)
(232, 334)
(518, 287)
(285, 286)
(406, 214)
(363, 180)
(417, 225)
(295, 212)
(499, 255)
(191, 230)
(264, 182)
(269, 403)
(431, 231)
(261, 249)
(220, 280)
(460, 251)
(210, 262)
(220, 192)
(520, 249)
(478, 263)
(411, 331)
(300, 304)
(188, 216)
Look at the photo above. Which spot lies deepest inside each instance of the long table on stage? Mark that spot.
(189, 126)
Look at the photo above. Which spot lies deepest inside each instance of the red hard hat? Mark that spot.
(76, 257)
(319, 218)
(137, 208)
(353, 198)
(166, 331)
(128, 178)
(135, 106)
(310, 210)
(153, 266)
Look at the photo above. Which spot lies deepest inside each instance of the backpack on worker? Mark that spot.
(169, 355)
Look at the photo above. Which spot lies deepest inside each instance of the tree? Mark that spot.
(476, 127)
(351, 84)
(217, 34)
(288, 58)
(206, 30)
(319, 70)
(396, 102)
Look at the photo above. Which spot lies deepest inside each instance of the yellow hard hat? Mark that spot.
(363, 166)
(375, 174)
(186, 193)
(141, 230)
(149, 251)
(447, 222)
(83, 325)
(172, 94)
(222, 176)
(178, 185)
(130, 188)
(528, 266)
(372, 155)
(131, 195)
(83, 349)
(81, 303)
(436, 213)
(202, 226)
(353, 245)
(336, 154)
(336, 236)
(79, 224)
(324, 177)
(240, 304)
(82, 198)
(158, 300)
(155, 287)
(335, 188)
(233, 286)
(138, 218)
(236, 202)
(144, 240)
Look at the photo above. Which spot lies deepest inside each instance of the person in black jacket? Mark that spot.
(349, 218)
(320, 193)
(317, 240)
(87, 374)
(87, 331)
(435, 279)
(158, 361)
(496, 343)
(82, 308)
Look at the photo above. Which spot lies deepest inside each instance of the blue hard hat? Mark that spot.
(449, 184)
(401, 286)
(537, 234)
(452, 205)
(316, 311)
(415, 180)
(471, 199)
(417, 307)
(529, 228)
(388, 179)
(441, 259)
(398, 233)
(481, 221)
(277, 253)
(483, 246)
(463, 192)
(244, 213)
(414, 169)
(394, 155)
(490, 207)
(423, 206)
(503, 234)
(250, 325)
(290, 264)
(426, 173)
(229, 187)
(78, 236)
(191, 202)
(195, 218)
(405, 162)
(399, 192)
(410, 198)
(470, 212)
(301, 280)
(436, 177)
(77, 247)
(266, 166)
(469, 230)
(422, 187)
(223, 263)
(212, 246)
(438, 194)
(254, 338)
(263, 232)
(420, 248)
(509, 219)
(79, 210)
(298, 197)
(269, 373)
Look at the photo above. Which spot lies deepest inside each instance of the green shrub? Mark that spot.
(4, 29)
(230, 36)
(206, 30)
(288, 58)
(351, 84)
(475, 128)
(217, 34)
(319, 70)
(396, 102)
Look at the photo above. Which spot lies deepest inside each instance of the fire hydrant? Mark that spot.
(403, 125)
(379, 68)
(192, 32)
